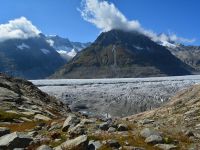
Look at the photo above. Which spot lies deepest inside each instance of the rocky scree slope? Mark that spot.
(135, 55)
(180, 117)
(49, 125)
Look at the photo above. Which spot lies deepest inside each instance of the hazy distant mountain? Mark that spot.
(31, 58)
(135, 55)
(66, 48)
(189, 55)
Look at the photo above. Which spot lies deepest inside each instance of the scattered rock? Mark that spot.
(15, 140)
(71, 121)
(146, 121)
(87, 121)
(41, 117)
(44, 147)
(4, 131)
(145, 133)
(122, 127)
(132, 148)
(166, 146)
(55, 127)
(113, 143)
(28, 113)
(104, 126)
(76, 131)
(154, 139)
(94, 145)
(79, 143)
(33, 133)
(55, 135)
(25, 119)
(111, 129)
(189, 133)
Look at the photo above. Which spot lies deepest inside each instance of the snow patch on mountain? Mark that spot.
(23, 46)
(45, 51)
(72, 53)
(51, 42)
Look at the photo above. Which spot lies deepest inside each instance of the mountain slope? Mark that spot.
(29, 58)
(188, 54)
(182, 113)
(135, 55)
(19, 96)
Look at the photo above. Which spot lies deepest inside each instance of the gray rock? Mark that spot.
(55, 127)
(132, 148)
(94, 145)
(79, 143)
(166, 146)
(154, 139)
(87, 121)
(104, 126)
(33, 133)
(113, 143)
(122, 127)
(41, 118)
(146, 121)
(76, 131)
(4, 131)
(15, 140)
(44, 147)
(111, 129)
(145, 133)
(189, 133)
(71, 121)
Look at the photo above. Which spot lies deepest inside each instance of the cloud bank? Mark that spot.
(20, 28)
(106, 16)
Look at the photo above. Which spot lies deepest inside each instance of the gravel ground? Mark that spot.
(116, 97)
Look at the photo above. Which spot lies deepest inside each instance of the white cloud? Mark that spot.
(106, 16)
(20, 28)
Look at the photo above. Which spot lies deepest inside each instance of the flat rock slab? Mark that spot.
(15, 140)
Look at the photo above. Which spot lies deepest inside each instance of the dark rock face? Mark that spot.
(33, 58)
(135, 55)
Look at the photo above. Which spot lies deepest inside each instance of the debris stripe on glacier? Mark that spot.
(60, 82)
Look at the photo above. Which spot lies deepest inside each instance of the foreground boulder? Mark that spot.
(15, 140)
(4, 131)
(79, 143)
(71, 121)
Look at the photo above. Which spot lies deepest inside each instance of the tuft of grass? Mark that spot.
(8, 117)
(21, 127)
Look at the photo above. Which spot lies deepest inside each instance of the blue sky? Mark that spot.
(61, 16)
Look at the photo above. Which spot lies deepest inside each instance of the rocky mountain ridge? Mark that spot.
(123, 54)
(31, 58)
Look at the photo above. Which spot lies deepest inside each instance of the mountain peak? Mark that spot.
(136, 55)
